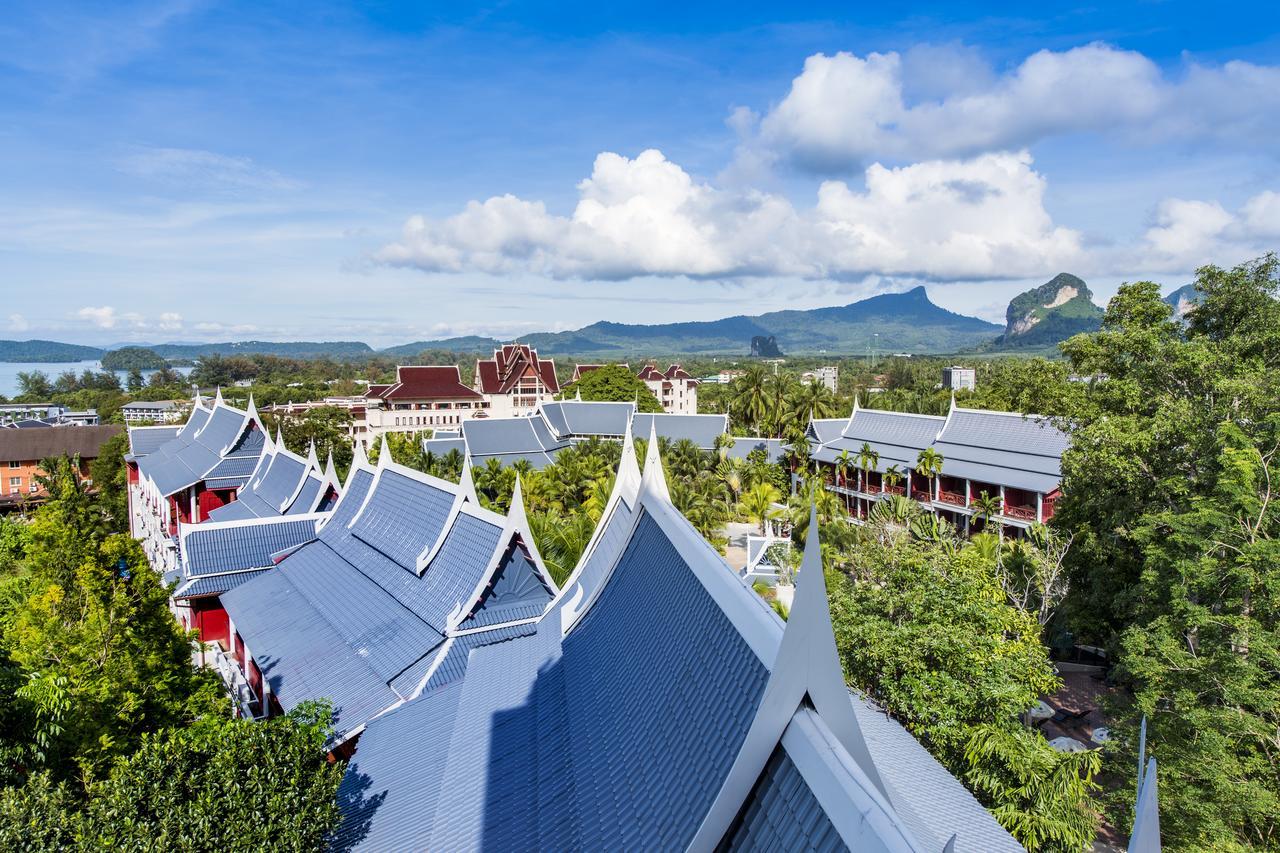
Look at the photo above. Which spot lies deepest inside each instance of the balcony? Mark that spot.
(242, 695)
(922, 495)
(1022, 513)
(954, 498)
(895, 490)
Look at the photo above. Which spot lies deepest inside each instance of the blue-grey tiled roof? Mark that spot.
(403, 518)
(307, 495)
(215, 584)
(146, 440)
(454, 664)
(1002, 448)
(700, 429)
(280, 481)
(516, 591)
(574, 417)
(216, 548)
(246, 506)
(774, 448)
(782, 813)
(299, 652)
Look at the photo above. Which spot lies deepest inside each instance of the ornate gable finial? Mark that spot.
(807, 666)
(358, 458)
(217, 397)
(654, 477)
(330, 470)
(384, 452)
(280, 438)
(1146, 821)
(252, 410)
(313, 461)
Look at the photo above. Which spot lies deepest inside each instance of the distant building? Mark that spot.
(727, 376)
(675, 389)
(959, 378)
(421, 398)
(157, 412)
(358, 429)
(48, 414)
(828, 376)
(22, 451)
(515, 381)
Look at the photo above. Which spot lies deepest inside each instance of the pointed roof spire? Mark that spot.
(279, 436)
(807, 666)
(313, 462)
(1146, 821)
(217, 399)
(252, 410)
(577, 395)
(628, 467)
(330, 470)
(358, 458)
(653, 474)
(384, 452)
(466, 484)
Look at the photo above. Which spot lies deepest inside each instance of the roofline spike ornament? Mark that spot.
(807, 667)
(1146, 822)
(217, 397)
(653, 478)
(313, 461)
(359, 459)
(466, 482)
(384, 452)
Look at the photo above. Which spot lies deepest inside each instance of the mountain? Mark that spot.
(46, 351)
(904, 322)
(286, 349)
(1052, 312)
(1183, 300)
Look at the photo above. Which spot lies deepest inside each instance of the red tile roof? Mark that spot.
(675, 371)
(427, 383)
(649, 373)
(510, 364)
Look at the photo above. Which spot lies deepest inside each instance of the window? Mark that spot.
(15, 485)
(34, 487)
(14, 463)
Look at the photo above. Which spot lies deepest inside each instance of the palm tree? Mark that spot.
(986, 507)
(561, 540)
(867, 459)
(751, 395)
(892, 476)
(723, 444)
(897, 510)
(731, 473)
(844, 462)
(929, 465)
(812, 400)
(758, 504)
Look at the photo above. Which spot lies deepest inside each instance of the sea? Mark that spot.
(9, 371)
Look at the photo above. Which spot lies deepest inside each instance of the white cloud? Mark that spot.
(226, 328)
(170, 321)
(190, 167)
(18, 323)
(104, 317)
(843, 110)
(943, 219)
(1189, 233)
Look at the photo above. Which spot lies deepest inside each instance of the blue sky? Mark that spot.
(204, 170)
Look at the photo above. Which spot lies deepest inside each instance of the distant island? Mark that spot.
(133, 358)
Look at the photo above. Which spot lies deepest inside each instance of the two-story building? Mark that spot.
(23, 450)
(421, 398)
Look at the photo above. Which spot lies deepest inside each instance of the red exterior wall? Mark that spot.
(133, 472)
(210, 621)
(210, 499)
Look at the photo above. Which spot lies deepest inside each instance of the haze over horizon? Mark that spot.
(203, 171)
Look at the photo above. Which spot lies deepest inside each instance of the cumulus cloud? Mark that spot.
(170, 321)
(104, 317)
(18, 323)
(843, 111)
(1187, 233)
(943, 219)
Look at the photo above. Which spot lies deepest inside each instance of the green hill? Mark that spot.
(1052, 312)
(286, 349)
(46, 351)
(903, 322)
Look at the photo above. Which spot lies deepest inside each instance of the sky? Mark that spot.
(183, 171)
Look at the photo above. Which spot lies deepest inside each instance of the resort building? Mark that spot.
(1003, 464)
(151, 412)
(421, 398)
(22, 452)
(604, 717)
(538, 438)
(515, 381)
(675, 389)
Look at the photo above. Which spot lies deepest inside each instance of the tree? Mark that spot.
(1040, 795)
(136, 382)
(1168, 491)
(613, 383)
(751, 401)
(111, 479)
(986, 507)
(34, 386)
(929, 465)
(868, 459)
(758, 504)
(219, 784)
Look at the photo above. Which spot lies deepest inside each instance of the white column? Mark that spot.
(1039, 508)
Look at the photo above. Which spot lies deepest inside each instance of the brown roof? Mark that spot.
(428, 383)
(498, 375)
(32, 445)
(649, 373)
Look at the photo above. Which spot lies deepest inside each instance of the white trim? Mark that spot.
(442, 652)
(494, 627)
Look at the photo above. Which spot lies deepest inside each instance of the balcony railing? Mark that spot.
(922, 495)
(1023, 513)
(246, 701)
(895, 490)
(951, 498)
